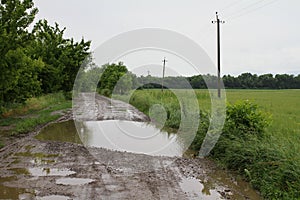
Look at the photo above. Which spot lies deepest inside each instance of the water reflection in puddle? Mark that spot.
(54, 197)
(136, 137)
(74, 181)
(195, 190)
(36, 171)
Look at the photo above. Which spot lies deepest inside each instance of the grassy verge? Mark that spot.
(21, 119)
(268, 157)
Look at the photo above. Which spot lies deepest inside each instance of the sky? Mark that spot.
(258, 36)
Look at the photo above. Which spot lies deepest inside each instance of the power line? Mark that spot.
(230, 5)
(244, 8)
(252, 10)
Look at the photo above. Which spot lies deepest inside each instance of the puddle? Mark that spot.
(239, 186)
(135, 137)
(195, 190)
(40, 161)
(63, 132)
(12, 192)
(54, 197)
(37, 171)
(74, 181)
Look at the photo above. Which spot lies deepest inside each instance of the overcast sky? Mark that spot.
(259, 36)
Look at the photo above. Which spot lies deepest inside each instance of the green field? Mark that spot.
(270, 161)
(283, 105)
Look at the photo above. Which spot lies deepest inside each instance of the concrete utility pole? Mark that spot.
(218, 52)
(163, 76)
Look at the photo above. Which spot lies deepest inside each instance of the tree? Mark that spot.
(247, 80)
(62, 57)
(284, 81)
(25, 71)
(230, 81)
(110, 77)
(266, 81)
(18, 79)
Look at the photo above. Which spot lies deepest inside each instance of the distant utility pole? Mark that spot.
(148, 73)
(218, 52)
(164, 68)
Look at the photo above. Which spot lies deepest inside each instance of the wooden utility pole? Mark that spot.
(218, 52)
(163, 76)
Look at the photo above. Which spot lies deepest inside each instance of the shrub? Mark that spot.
(245, 119)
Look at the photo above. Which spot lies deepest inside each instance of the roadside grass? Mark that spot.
(36, 111)
(269, 161)
(33, 104)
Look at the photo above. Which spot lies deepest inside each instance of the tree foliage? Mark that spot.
(40, 61)
(115, 78)
(62, 57)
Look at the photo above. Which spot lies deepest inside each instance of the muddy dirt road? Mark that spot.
(34, 169)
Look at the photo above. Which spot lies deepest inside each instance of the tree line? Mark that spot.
(242, 81)
(37, 61)
(117, 78)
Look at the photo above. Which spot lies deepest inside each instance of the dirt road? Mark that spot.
(34, 169)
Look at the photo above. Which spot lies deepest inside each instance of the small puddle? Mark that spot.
(135, 137)
(195, 190)
(74, 181)
(54, 197)
(37, 171)
(40, 161)
(240, 188)
(63, 132)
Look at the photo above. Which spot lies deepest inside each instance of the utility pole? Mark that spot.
(163, 76)
(218, 52)
(148, 73)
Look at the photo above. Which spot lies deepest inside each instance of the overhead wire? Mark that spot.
(251, 10)
(247, 9)
(249, 6)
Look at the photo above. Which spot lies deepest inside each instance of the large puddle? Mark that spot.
(135, 137)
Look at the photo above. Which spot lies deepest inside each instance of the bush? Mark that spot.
(245, 119)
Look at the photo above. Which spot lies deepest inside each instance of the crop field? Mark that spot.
(268, 159)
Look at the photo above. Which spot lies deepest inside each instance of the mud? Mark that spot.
(44, 169)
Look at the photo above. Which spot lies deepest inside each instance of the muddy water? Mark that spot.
(135, 137)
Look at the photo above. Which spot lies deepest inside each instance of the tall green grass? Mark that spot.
(36, 111)
(267, 156)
